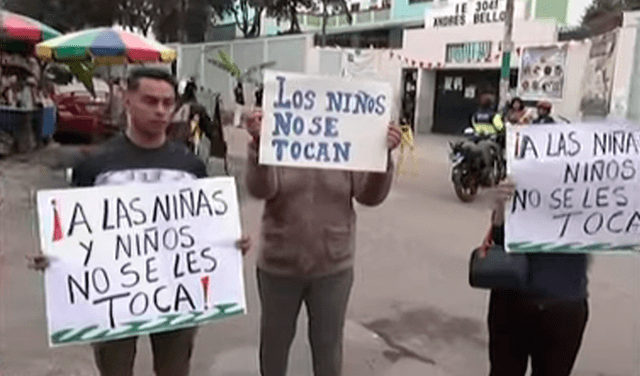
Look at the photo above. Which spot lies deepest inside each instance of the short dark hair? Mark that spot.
(137, 74)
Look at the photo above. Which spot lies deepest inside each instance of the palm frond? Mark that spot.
(230, 66)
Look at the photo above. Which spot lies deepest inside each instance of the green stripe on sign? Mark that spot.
(160, 324)
(529, 247)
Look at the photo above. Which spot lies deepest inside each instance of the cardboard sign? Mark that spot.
(141, 258)
(325, 122)
(577, 188)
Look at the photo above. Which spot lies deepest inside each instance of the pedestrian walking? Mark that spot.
(307, 254)
(143, 154)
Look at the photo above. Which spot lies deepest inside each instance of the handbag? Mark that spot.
(491, 267)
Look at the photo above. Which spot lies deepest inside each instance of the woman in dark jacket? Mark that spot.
(544, 321)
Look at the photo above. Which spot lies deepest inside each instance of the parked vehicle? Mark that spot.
(82, 117)
(468, 170)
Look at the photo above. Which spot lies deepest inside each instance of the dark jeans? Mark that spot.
(326, 301)
(171, 354)
(550, 332)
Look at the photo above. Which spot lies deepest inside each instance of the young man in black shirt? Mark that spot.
(143, 155)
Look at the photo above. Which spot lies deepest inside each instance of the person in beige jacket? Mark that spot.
(307, 252)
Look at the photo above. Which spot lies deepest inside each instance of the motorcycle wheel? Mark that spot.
(466, 194)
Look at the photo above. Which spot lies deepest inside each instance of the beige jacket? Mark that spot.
(309, 224)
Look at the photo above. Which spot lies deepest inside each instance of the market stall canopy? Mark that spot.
(104, 46)
(15, 27)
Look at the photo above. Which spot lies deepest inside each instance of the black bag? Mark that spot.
(498, 269)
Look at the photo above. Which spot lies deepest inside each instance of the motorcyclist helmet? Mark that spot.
(545, 105)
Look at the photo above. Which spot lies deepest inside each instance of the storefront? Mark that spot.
(457, 57)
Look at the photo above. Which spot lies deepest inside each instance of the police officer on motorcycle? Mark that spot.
(489, 135)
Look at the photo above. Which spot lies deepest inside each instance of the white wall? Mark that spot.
(626, 80)
(425, 101)
(429, 44)
(577, 59)
(290, 53)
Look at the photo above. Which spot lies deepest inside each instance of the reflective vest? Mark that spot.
(487, 123)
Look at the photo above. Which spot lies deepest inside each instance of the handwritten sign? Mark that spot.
(577, 188)
(325, 122)
(140, 259)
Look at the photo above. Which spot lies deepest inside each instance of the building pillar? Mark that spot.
(425, 101)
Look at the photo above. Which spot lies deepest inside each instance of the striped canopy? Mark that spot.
(104, 46)
(20, 28)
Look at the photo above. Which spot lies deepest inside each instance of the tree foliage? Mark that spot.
(67, 15)
(333, 6)
(604, 15)
(287, 10)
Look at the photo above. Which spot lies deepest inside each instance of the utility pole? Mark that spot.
(507, 49)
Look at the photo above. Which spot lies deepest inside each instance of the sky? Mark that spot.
(576, 10)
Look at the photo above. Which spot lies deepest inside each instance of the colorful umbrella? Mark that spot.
(20, 28)
(104, 46)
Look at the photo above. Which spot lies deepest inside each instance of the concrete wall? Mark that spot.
(290, 53)
(626, 86)
(577, 58)
(329, 61)
(429, 44)
(425, 101)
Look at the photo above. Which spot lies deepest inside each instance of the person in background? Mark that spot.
(544, 113)
(487, 122)
(180, 128)
(238, 93)
(127, 159)
(11, 91)
(307, 255)
(258, 94)
(27, 100)
(516, 112)
(546, 320)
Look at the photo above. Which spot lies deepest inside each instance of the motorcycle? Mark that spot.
(468, 171)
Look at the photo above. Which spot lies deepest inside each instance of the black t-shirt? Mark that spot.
(119, 161)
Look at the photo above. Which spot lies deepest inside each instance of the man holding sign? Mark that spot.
(164, 299)
(326, 128)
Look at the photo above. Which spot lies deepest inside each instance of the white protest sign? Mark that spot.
(141, 258)
(577, 188)
(325, 122)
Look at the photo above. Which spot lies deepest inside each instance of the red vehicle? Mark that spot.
(82, 117)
